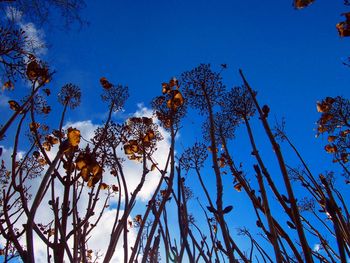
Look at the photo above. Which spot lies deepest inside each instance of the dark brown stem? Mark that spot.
(170, 180)
(278, 153)
(5, 127)
(273, 234)
(37, 200)
(219, 187)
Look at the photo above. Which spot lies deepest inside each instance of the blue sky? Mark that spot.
(291, 57)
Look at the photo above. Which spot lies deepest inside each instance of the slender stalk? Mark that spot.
(7, 125)
(165, 197)
(37, 200)
(273, 234)
(278, 153)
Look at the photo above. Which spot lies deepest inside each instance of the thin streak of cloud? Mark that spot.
(35, 37)
(13, 14)
(36, 42)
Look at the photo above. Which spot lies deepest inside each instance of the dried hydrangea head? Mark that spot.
(202, 87)
(114, 95)
(171, 106)
(142, 136)
(238, 103)
(70, 95)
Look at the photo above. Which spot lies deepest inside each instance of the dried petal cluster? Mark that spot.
(49, 142)
(325, 107)
(105, 83)
(8, 85)
(170, 107)
(37, 71)
(71, 144)
(88, 167)
(344, 26)
(176, 99)
(299, 4)
(14, 105)
(142, 136)
(335, 120)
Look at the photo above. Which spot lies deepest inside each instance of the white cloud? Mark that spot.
(133, 170)
(7, 153)
(143, 111)
(13, 14)
(317, 247)
(100, 237)
(45, 215)
(97, 242)
(36, 42)
(86, 129)
(35, 37)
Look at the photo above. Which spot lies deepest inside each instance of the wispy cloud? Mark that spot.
(35, 37)
(13, 14)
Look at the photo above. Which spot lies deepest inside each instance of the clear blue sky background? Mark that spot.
(291, 57)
